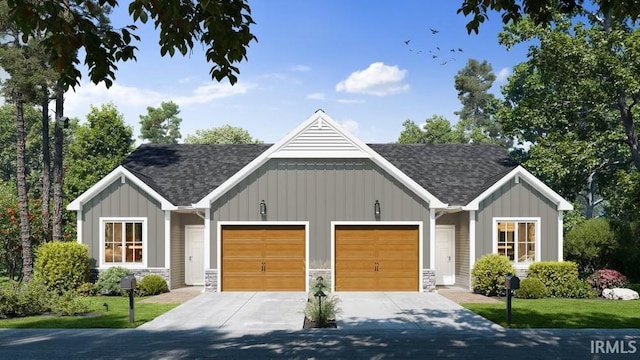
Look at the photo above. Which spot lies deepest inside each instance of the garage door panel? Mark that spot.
(393, 248)
(263, 258)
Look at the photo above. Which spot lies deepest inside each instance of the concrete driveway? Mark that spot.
(252, 312)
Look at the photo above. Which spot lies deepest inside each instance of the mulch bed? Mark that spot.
(308, 324)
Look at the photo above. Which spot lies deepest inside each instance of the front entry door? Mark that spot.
(194, 255)
(445, 251)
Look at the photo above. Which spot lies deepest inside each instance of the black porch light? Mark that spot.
(320, 294)
(263, 208)
(376, 208)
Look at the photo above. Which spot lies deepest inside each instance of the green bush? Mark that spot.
(489, 274)
(555, 275)
(61, 266)
(69, 304)
(152, 285)
(109, 281)
(577, 289)
(20, 299)
(591, 245)
(531, 288)
(87, 289)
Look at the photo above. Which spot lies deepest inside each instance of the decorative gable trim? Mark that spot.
(520, 173)
(320, 137)
(119, 173)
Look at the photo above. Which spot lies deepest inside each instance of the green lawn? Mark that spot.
(563, 313)
(116, 317)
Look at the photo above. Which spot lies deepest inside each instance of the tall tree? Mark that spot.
(478, 104)
(161, 125)
(542, 12)
(222, 27)
(225, 134)
(436, 130)
(98, 146)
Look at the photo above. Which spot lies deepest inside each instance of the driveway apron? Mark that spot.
(406, 311)
(235, 311)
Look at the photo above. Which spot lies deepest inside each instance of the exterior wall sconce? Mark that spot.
(376, 208)
(263, 208)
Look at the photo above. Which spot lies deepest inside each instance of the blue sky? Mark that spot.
(348, 58)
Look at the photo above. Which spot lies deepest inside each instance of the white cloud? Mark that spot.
(316, 96)
(350, 125)
(350, 101)
(301, 68)
(185, 80)
(503, 74)
(378, 79)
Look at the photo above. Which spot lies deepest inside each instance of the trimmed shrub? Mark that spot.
(20, 299)
(109, 281)
(591, 245)
(68, 304)
(555, 275)
(606, 279)
(61, 266)
(531, 288)
(577, 289)
(87, 289)
(152, 285)
(489, 274)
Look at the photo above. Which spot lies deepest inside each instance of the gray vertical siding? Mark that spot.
(319, 191)
(178, 223)
(518, 200)
(461, 221)
(124, 200)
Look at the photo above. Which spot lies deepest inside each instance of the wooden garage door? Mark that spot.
(263, 258)
(376, 258)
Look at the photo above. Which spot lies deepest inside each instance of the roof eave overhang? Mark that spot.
(120, 173)
(521, 172)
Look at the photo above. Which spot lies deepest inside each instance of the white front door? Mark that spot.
(194, 255)
(445, 251)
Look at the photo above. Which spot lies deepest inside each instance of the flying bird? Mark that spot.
(453, 50)
(459, 50)
(437, 48)
(434, 56)
(443, 63)
(406, 42)
(434, 31)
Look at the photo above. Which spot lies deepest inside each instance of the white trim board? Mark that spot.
(337, 143)
(419, 224)
(221, 223)
(119, 173)
(521, 173)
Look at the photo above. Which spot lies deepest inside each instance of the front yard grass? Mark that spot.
(117, 316)
(563, 313)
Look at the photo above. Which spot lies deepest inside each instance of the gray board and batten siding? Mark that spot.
(518, 200)
(320, 191)
(124, 200)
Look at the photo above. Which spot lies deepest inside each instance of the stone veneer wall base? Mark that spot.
(211, 280)
(428, 280)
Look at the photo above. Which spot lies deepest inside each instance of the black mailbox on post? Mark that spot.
(128, 282)
(512, 282)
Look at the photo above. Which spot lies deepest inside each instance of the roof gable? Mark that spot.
(320, 137)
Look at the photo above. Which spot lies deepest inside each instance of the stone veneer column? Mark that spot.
(325, 273)
(428, 280)
(211, 280)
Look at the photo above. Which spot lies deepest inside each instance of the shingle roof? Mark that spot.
(454, 173)
(186, 173)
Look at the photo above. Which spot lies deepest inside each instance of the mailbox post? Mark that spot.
(128, 283)
(511, 283)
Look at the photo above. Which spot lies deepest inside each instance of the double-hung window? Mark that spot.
(123, 241)
(517, 238)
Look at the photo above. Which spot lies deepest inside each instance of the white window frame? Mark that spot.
(538, 229)
(130, 265)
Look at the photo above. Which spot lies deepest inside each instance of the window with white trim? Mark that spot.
(123, 241)
(517, 239)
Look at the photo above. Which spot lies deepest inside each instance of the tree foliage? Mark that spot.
(542, 12)
(591, 245)
(97, 148)
(76, 27)
(225, 134)
(161, 125)
(436, 130)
